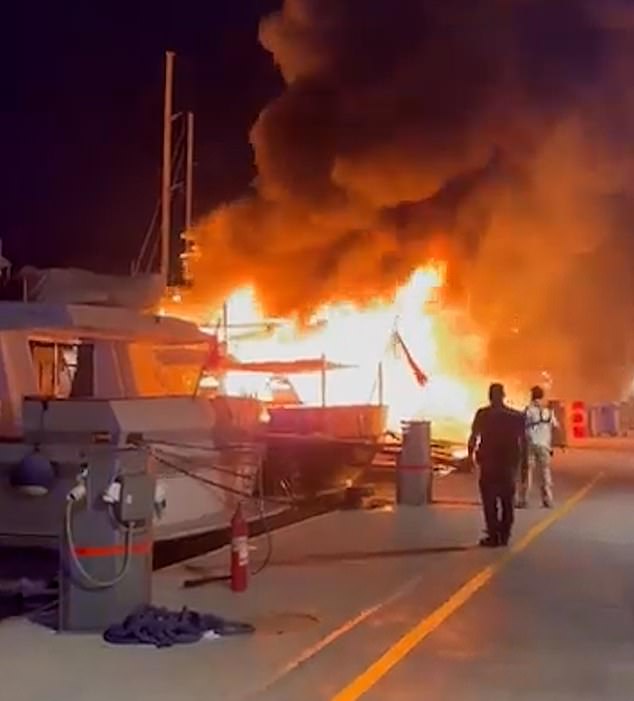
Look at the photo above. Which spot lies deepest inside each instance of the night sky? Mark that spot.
(82, 119)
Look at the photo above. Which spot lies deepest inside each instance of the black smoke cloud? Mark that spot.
(496, 134)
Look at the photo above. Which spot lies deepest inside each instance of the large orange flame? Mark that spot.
(437, 339)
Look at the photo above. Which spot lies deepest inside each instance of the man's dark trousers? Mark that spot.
(497, 489)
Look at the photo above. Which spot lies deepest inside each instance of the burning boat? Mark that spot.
(317, 434)
(312, 450)
(320, 433)
(309, 450)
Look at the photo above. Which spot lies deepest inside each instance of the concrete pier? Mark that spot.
(391, 603)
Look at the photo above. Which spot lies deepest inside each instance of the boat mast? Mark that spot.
(166, 184)
(189, 173)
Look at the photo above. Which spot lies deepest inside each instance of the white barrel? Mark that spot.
(414, 465)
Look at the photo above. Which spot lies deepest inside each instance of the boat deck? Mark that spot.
(390, 603)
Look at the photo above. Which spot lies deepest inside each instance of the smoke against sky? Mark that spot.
(494, 133)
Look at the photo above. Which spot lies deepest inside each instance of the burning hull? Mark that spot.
(236, 420)
(314, 450)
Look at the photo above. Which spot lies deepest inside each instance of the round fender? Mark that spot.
(34, 475)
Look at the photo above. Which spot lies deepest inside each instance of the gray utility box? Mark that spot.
(414, 473)
(136, 502)
(105, 544)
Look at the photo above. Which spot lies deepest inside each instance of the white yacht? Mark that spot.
(58, 358)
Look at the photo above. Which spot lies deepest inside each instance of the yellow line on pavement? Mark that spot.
(376, 671)
(334, 635)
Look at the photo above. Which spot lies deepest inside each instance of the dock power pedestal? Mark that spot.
(102, 508)
(106, 544)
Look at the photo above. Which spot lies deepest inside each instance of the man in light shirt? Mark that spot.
(540, 423)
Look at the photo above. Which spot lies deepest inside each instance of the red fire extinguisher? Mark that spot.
(239, 551)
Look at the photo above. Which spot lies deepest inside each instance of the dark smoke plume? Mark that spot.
(496, 134)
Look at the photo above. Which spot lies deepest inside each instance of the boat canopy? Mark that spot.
(284, 367)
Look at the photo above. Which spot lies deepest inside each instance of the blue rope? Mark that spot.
(150, 625)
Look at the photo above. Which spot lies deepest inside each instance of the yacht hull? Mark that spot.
(313, 450)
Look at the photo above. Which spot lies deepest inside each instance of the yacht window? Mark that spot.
(59, 367)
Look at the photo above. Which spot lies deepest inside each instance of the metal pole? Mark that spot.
(225, 345)
(55, 369)
(166, 184)
(189, 173)
(225, 322)
(323, 380)
(380, 383)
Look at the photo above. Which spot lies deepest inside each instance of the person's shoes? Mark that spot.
(521, 504)
(547, 503)
(503, 541)
(489, 542)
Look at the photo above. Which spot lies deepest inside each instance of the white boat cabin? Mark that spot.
(83, 351)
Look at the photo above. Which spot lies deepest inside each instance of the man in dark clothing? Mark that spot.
(497, 446)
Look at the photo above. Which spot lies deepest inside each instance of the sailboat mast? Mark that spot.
(166, 184)
(189, 173)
